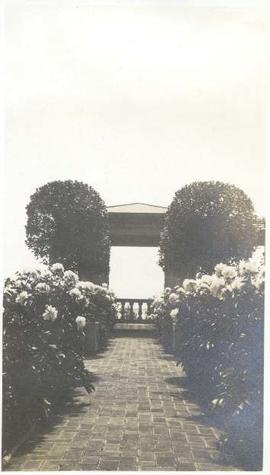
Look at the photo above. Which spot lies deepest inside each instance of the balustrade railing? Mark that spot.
(134, 310)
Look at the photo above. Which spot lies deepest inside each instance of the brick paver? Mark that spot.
(139, 418)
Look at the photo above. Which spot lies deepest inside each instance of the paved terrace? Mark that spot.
(140, 417)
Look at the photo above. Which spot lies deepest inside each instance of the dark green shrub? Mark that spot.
(67, 223)
(206, 223)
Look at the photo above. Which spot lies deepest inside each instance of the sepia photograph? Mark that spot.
(134, 223)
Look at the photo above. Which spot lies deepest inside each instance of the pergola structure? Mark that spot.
(136, 224)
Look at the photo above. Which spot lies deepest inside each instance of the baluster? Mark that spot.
(134, 309)
(143, 312)
(127, 311)
(140, 310)
(123, 310)
(131, 310)
(118, 312)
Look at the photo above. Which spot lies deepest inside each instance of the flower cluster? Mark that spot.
(94, 303)
(50, 313)
(52, 290)
(48, 308)
(219, 341)
(226, 280)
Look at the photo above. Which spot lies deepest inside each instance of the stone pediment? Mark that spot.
(142, 208)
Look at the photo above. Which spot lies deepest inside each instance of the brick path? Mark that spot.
(139, 418)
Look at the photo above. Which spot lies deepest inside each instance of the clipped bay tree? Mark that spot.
(67, 222)
(206, 223)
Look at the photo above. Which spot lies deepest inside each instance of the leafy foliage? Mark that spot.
(45, 313)
(67, 223)
(219, 321)
(95, 303)
(207, 223)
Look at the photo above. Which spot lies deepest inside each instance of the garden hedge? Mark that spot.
(219, 320)
(45, 314)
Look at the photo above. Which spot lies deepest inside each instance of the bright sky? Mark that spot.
(136, 99)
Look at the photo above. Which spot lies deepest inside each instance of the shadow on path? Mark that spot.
(142, 416)
(203, 417)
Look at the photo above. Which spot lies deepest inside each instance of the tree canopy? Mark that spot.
(206, 223)
(67, 222)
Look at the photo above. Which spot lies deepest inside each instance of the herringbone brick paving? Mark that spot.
(139, 418)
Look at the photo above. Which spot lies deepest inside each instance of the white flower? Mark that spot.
(85, 286)
(203, 285)
(57, 268)
(32, 273)
(42, 288)
(174, 313)
(219, 269)
(70, 278)
(252, 266)
(223, 270)
(249, 267)
(173, 298)
(19, 283)
(229, 272)
(206, 279)
(237, 283)
(180, 292)
(9, 291)
(217, 284)
(189, 285)
(46, 273)
(50, 313)
(259, 256)
(223, 292)
(81, 322)
(76, 293)
(22, 297)
(204, 289)
(104, 285)
(98, 289)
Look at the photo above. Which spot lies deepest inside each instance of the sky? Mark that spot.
(137, 99)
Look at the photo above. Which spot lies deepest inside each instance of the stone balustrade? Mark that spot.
(134, 310)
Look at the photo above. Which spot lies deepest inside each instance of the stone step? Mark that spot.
(148, 327)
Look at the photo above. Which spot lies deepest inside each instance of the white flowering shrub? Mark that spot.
(219, 340)
(94, 303)
(44, 319)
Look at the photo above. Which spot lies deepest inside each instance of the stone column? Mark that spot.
(172, 278)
